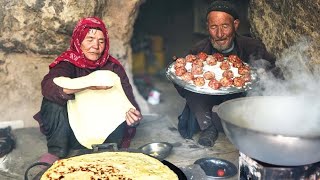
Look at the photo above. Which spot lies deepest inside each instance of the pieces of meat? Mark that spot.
(202, 55)
(188, 76)
(226, 82)
(208, 75)
(180, 71)
(181, 60)
(211, 60)
(244, 70)
(237, 64)
(225, 65)
(179, 65)
(234, 59)
(228, 74)
(199, 81)
(238, 82)
(190, 57)
(246, 77)
(214, 84)
(219, 57)
(197, 62)
(196, 70)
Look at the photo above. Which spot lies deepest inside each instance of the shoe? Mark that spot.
(48, 158)
(208, 136)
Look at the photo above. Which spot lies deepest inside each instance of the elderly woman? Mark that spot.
(88, 52)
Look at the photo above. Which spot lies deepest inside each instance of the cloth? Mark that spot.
(223, 6)
(74, 54)
(187, 124)
(73, 64)
(200, 105)
(60, 138)
(7, 141)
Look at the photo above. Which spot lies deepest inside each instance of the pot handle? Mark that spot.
(33, 165)
(98, 147)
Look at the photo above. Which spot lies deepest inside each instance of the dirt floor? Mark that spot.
(158, 126)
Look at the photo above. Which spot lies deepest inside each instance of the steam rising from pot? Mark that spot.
(299, 80)
(300, 83)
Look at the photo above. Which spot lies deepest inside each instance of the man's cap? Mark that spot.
(223, 6)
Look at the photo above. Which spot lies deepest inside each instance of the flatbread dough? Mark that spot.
(95, 114)
(110, 165)
(96, 78)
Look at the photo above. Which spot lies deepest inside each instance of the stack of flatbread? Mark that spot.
(111, 166)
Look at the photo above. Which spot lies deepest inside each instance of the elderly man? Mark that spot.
(222, 24)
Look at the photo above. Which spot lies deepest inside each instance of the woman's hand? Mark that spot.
(133, 117)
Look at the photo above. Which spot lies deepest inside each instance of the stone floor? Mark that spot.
(158, 126)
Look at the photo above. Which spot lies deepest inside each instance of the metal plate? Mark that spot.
(159, 150)
(211, 166)
(174, 168)
(206, 89)
(101, 148)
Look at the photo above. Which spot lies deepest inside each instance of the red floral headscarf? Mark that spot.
(74, 54)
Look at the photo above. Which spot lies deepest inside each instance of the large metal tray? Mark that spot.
(207, 90)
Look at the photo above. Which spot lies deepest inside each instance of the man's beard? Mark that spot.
(220, 47)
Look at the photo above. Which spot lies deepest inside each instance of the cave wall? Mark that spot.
(282, 24)
(34, 32)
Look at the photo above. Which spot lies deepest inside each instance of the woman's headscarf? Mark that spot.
(75, 55)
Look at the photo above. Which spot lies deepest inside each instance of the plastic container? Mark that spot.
(154, 97)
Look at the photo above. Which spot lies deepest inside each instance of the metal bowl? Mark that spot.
(217, 168)
(159, 150)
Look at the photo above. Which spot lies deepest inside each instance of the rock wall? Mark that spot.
(34, 32)
(282, 24)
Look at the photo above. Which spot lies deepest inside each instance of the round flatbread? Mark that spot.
(96, 78)
(95, 114)
(110, 165)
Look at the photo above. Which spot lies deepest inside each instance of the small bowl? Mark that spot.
(159, 150)
(217, 168)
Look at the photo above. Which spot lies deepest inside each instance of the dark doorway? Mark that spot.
(167, 28)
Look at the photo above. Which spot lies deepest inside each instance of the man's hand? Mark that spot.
(133, 117)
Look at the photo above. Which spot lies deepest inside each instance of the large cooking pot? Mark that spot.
(279, 130)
